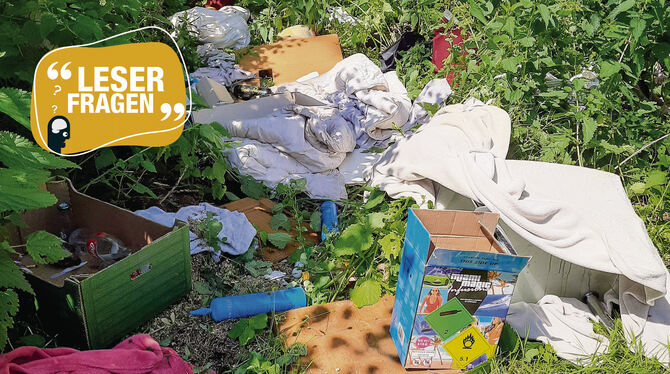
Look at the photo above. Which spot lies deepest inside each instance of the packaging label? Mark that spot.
(466, 347)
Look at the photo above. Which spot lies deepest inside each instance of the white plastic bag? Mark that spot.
(224, 28)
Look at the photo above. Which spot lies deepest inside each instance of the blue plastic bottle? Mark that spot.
(223, 308)
(328, 218)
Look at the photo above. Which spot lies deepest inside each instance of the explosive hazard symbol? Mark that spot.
(466, 347)
(88, 96)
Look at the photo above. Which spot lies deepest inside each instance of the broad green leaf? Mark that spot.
(219, 170)
(246, 335)
(476, 11)
(251, 187)
(148, 165)
(202, 288)
(622, 7)
(45, 248)
(279, 239)
(528, 41)
(19, 190)
(638, 188)
(391, 245)
(607, 69)
(259, 321)
(21, 153)
(657, 178)
(376, 220)
(105, 158)
(140, 188)
(280, 220)
(16, 104)
(11, 276)
(546, 15)
(355, 238)
(315, 221)
(376, 197)
(366, 293)
(237, 328)
(509, 64)
(589, 126)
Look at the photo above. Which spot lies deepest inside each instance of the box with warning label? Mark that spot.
(454, 288)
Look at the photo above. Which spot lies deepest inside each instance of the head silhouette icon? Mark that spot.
(59, 132)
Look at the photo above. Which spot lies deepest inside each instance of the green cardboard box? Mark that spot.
(90, 308)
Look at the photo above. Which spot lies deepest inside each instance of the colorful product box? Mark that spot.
(454, 289)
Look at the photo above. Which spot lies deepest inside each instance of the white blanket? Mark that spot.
(581, 217)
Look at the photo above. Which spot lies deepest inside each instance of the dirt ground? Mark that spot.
(200, 340)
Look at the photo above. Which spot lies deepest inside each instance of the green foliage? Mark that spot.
(33, 27)
(45, 248)
(366, 292)
(16, 104)
(245, 330)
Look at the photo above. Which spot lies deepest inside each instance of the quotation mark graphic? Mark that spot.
(65, 73)
(179, 109)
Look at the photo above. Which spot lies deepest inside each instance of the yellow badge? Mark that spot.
(466, 347)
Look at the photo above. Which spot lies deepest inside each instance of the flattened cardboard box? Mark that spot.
(95, 309)
(454, 289)
(294, 58)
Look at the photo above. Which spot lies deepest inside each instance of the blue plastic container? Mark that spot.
(223, 308)
(328, 218)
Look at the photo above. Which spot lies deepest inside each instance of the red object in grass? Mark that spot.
(139, 354)
(217, 4)
(442, 46)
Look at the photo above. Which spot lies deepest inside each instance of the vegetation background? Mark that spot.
(584, 81)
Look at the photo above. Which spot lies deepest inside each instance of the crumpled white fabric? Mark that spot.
(565, 323)
(236, 228)
(580, 217)
(373, 102)
(217, 30)
(225, 28)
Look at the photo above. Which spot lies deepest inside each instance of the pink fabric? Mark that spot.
(135, 355)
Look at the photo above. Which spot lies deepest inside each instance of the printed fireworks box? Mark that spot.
(454, 288)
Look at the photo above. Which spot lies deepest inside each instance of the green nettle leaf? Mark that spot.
(376, 220)
(16, 104)
(251, 187)
(476, 11)
(315, 221)
(19, 190)
(11, 276)
(219, 170)
(367, 292)
(607, 69)
(509, 64)
(638, 188)
(21, 153)
(355, 238)
(238, 328)
(589, 126)
(546, 15)
(9, 306)
(45, 248)
(376, 197)
(246, 336)
(140, 188)
(105, 158)
(622, 7)
(279, 239)
(391, 245)
(656, 178)
(202, 288)
(259, 321)
(148, 165)
(528, 41)
(280, 220)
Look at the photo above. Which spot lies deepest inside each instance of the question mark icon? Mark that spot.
(54, 108)
(58, 89)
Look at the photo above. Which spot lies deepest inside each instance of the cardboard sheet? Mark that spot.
(259, 213)
(342, 338)
(294, 58)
